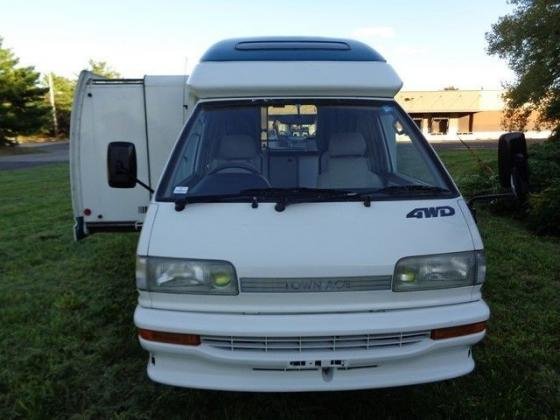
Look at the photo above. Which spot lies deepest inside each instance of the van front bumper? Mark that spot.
(209, 367)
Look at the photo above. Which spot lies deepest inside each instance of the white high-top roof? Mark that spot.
(319, 67)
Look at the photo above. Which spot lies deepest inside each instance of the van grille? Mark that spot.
(315, 343)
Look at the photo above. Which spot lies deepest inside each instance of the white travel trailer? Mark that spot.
(303, 235)
(148, 113)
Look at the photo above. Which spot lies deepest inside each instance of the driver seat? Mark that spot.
(238, 148)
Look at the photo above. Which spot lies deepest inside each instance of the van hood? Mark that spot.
(308, 240)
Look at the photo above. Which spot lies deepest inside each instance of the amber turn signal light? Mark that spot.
(451, 332)
(169, 337)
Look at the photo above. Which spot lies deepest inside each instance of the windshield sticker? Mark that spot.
(181, 190)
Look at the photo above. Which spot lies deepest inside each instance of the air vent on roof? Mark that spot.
(291, 45)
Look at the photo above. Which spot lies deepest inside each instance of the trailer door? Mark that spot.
(105, 111)
(165, 116)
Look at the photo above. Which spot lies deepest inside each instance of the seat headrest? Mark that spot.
(347, 144)
(238, 146)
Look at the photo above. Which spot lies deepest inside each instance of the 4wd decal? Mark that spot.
(426, 212)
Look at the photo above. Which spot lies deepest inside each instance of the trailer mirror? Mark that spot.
(121, 164)
(513, 164)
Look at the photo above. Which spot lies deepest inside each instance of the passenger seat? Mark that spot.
(345, 165)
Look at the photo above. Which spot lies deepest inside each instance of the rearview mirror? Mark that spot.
(513, 163)
(121, 164)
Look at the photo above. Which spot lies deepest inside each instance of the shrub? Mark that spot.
(544, 165)
(544, 210)
(544, 203)
(478, 183)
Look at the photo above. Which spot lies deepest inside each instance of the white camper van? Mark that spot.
(297, 231)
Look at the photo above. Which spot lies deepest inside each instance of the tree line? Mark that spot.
(32, 103)
(529, 39)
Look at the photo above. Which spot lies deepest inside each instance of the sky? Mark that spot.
(431, 43)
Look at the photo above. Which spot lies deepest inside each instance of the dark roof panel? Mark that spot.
(291, 49)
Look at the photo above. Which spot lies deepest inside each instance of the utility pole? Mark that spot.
(53, 104)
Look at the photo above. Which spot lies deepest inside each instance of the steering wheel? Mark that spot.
(245, 166)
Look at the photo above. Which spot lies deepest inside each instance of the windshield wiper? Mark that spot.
(282, 196)
(411, 188)
(180, 203)
(287, 196)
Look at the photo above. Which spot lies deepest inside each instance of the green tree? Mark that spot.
(529, 39)
(63, 96)
(103, 69)
(22, 101)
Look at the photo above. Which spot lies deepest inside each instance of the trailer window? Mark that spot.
(289, 125)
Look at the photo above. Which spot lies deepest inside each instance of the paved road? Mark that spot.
(474, 144)
(47, 153)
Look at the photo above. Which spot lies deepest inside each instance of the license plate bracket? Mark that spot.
(321, 363)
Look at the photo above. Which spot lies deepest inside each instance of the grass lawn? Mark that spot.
(68, 346)
(461, 163)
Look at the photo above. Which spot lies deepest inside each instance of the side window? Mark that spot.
(408, 158)
(186, 166)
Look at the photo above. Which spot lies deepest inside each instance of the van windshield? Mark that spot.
(241, 149)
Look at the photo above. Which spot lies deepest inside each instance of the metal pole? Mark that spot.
(53, 104)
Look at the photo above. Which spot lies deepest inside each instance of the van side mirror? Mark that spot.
(513, 164)
(513, 170)
(121, 164)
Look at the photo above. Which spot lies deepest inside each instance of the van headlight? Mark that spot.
(440, 271)
(170, 275)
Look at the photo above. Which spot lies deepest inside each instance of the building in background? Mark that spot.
(465, 114)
